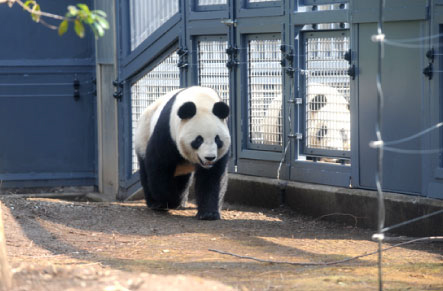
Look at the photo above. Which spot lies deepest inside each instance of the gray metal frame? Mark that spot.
(311, 171)
(254, 161)
(248, 145)
(433, 164)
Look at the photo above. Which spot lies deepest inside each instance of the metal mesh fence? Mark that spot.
(164, 78)
(147, 16)
(327, 93)
(212, 70)
(265, 92)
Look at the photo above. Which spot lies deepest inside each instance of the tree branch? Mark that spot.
(39, 13)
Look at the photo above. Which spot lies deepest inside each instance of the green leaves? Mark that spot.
(79, 28)
(81, 15)
(35, 9)
(63, 27)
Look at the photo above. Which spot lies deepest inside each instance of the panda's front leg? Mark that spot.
(210, 188)
(160, 184)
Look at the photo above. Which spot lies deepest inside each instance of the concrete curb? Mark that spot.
(351, 206)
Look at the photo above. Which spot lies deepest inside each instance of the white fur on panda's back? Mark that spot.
(147, 121)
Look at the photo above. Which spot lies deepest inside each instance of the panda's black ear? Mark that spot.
(221, 110)
(187, 110)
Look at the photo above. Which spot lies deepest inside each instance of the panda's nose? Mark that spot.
(211, 158)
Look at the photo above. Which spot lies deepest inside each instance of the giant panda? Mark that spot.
(327, 118)
(272, 123)
(184, 134)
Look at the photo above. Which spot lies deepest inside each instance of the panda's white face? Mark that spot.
(203, 139)
(199, 127)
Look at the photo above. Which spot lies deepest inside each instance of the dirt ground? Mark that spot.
(64, 245)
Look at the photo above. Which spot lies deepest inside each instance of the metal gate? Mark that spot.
(295, 74)
(47, 103)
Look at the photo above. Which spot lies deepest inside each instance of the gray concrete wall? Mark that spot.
(351, 206)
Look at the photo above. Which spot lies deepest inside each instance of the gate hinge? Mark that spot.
(428, 71)
(76, 85)
(290, 72)
(182, 52)
(287, 60)
(118, 94)
(351, 72)
(183, 58)
(348, 56)
(231, 51)
(430, 54)
(231, 63)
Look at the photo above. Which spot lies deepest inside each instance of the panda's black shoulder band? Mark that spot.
(187, 110)
(221, 110)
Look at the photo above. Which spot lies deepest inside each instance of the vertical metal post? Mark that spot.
(106, 68)
(379, 174)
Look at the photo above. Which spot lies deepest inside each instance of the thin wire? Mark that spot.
(286, 147)
(402, 140)
(429, 238)
(418, 38)
(288, 143)
(404, 45)
(379, 175)
(412, 220)
(411, 152)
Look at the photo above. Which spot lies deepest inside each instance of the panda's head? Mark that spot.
(202, 135)
(328, 118)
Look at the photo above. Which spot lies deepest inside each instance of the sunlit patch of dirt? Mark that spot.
(57, 245)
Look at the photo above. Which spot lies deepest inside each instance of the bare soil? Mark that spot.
(64, 245)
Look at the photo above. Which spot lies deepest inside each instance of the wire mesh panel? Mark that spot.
(147, 16)
(265, 92)
(164, 78)
(211, 2)
(327, 92)
(212, 70)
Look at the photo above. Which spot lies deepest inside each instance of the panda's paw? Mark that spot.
(157, 206)
(214, 215)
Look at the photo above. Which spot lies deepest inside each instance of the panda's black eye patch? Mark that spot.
(197, 142)
(318, 102)
(322, 132)
(218, 141)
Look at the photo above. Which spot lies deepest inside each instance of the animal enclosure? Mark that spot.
(299, 77)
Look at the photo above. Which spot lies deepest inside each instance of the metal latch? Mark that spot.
(229, 22)
(297, 135)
